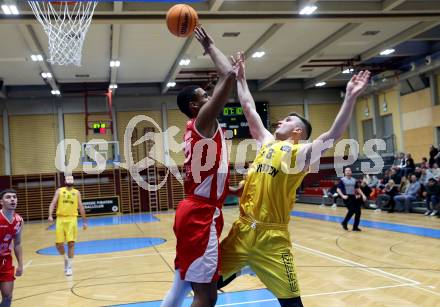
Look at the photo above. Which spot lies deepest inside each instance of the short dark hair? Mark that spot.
(185, 97)
(2, 193)
(305, 122)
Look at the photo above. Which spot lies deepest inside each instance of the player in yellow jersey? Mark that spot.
(260, 237)
(67, 200)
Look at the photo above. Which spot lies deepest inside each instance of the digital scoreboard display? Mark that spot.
(234, 123)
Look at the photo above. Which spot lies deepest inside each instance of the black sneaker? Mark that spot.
(357, 229)
(344, 226)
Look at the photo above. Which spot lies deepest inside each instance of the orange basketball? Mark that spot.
(182, 20)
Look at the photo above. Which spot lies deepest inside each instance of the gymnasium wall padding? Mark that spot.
(322, 117)
(33, 140)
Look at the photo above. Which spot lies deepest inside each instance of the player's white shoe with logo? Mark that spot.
(69, 272)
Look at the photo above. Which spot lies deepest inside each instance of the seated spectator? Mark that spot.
(424, 163)
(399, 160)
(372, 181)
(432, 154)
(426, 175)
(387, 198)
(435, 170)
(367, 192)
(332, 194)
(384, 180)
(409, 167)
(404, 201)
(403, 185)
(418, 173)
(395, 176)
(432, 194)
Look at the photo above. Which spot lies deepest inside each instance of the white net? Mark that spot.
(66, 25)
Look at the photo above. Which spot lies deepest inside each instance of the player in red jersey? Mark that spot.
(199, 220)
(11, 226)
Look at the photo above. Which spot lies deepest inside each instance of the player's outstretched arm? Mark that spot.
(256, 127)
(18, 251)
(82, 211)
(206, 121)
(355, 87)
(52, 205)
(221, 62)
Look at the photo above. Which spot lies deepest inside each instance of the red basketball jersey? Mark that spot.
(8, 231)
(206, 165)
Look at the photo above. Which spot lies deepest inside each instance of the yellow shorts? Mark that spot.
(267, 251)
(66, 229)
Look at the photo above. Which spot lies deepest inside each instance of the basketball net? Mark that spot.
(66, 25)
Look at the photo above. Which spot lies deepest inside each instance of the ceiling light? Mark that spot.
(113, 86)
(171, 84)
(46, 75)
(308, 10)
(115, 63)
(13, 9)
(55, 92)
(36, 57)
(319, 84)
(348, 71)
(184, 62)
(6, 9)
(387, 51)
(258, 54)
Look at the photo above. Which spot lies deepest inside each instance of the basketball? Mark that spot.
(182, 20)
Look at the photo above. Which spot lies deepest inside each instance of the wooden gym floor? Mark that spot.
(376, 267)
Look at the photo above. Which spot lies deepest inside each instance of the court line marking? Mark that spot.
(104, 259)
(353, 263)
(27, 264)
(320, 294)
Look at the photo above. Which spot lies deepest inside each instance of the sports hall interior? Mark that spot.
(295, 63)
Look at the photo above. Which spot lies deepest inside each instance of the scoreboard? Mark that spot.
(234, 123)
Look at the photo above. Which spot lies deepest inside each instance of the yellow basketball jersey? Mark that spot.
(270, 189)
(67, 202)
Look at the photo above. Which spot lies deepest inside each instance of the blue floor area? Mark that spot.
(117, 220)
(255, 298)
(414, 230)
(107, 246)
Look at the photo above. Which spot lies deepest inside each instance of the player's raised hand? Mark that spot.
(204, 39)
(238, 65)
(19, 271)
(357, 84)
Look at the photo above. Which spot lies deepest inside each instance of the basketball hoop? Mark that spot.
(66, 24)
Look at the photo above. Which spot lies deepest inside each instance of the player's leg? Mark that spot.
(233, 250)
(205, 294)
(179, 290)
(71, 236)
(291, 302)
(272, 259)
(349, 204)
(60, 233)
(357, 214)
(6, 289)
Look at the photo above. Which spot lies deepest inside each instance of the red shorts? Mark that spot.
(197, 227)
(7, 270)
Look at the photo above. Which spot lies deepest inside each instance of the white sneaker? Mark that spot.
(322, 205)
(69, 272)
(334, 206)
(433, 213)
(378, 210)
(335, 195)
(427, 212)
